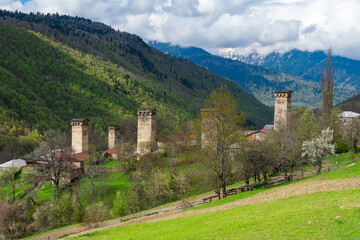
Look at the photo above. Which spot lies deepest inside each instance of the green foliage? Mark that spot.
(341, 147)
(90, 70)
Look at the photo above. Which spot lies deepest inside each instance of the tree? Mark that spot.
(52, 159)
(352, 134)
(285, 145)
(126, 157)
(221, 125)
(307, 128)
(8, 176)
(12, 219)
(327, 88)
(318, 148)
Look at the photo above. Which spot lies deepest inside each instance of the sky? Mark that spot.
(263, 25)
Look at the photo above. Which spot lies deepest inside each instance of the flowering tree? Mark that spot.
(318, 148)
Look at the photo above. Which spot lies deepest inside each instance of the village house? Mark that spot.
(348, 116)
(18, 163)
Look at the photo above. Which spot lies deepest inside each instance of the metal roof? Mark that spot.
(349, 114)
(15, 162)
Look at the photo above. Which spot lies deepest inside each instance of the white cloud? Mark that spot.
(244, 24)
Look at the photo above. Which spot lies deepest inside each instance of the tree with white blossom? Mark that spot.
(318, 148)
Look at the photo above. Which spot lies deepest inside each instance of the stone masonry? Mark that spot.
(80, 136)
(146, 133)
(114, 136)
(282, 113)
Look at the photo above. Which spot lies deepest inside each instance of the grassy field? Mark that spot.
(330, 215)
(321, 215)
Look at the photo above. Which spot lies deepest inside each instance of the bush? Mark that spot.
(120, 205)
(341, 148)
(95, 214)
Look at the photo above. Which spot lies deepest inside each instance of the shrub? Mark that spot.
(341, 147)
(95, 214)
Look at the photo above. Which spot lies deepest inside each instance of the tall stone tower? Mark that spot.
(282, 114)
(114, 136)
(80, 136)
(146, 133)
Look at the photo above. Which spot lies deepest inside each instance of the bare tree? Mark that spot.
(8, 176)
(12, 220)
(327, 88)
(52, 159)
(221, 133)
(318, 148)
(126, 157)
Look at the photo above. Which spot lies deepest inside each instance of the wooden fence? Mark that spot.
(273, 181)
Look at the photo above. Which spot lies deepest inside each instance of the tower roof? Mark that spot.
(80, 120)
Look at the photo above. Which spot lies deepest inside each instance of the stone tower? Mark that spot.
(80, 136)
(114, 136)
(282, 113)
(146, 133)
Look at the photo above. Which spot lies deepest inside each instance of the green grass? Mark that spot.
(110, 164)
(229, 199)
(326, 215)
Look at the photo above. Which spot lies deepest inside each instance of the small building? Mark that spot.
(257, 135)
(348, 116)
(113, 153)
(20, 163)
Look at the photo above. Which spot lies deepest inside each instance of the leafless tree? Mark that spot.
(52, 159)
(12, 219)
(126, 157)
(327, 88)
(8, 176)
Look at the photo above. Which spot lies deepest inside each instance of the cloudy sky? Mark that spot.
(264, 25)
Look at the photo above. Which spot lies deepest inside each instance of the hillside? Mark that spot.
(260, 81)
(351, 104)
(324, 206)
(307, 65)
(54, 68)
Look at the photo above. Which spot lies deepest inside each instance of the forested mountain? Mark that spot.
(351, 104)
(260, 81)
(54, 68)
(308, 65)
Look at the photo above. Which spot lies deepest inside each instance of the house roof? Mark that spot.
(264, 130)
(112, 150)
(79, 157)
(348, 114)
(15, 162)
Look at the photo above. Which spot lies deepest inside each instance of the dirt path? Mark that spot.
(295, 189)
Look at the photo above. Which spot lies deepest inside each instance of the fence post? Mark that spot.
(329, 168)
(302, 174)
(337, 165)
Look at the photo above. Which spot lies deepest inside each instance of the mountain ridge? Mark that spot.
(261, 81)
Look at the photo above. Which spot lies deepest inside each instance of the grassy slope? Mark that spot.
(330, 215)
(319, 215)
